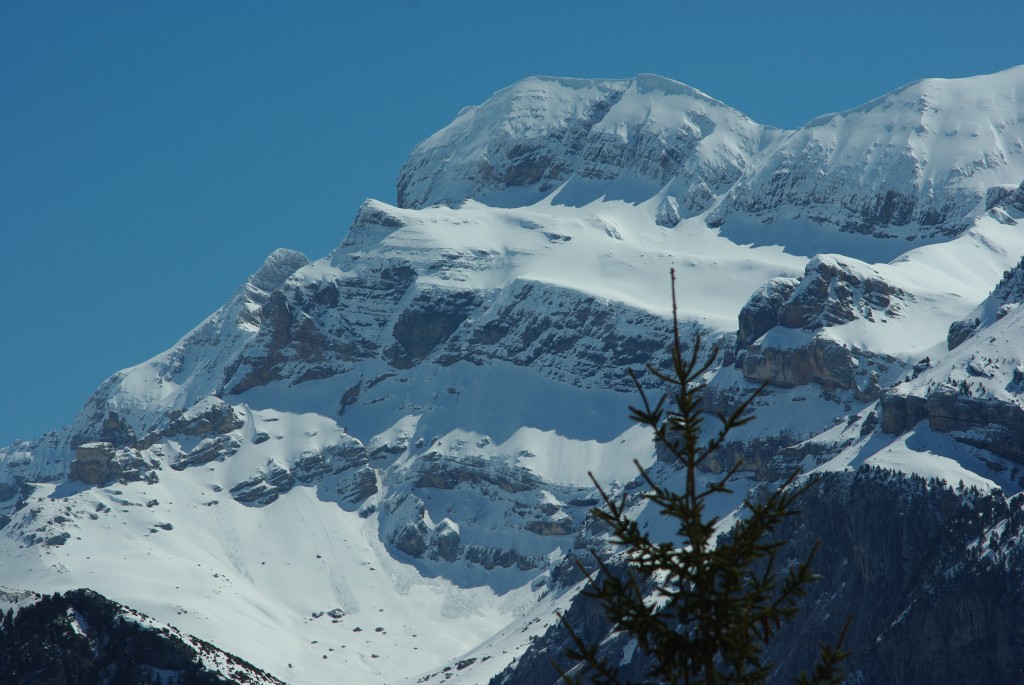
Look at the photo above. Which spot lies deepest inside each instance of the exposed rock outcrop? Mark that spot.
(340, 470)
(286, 335)
(566, 334)
(111, 428)
(824, 361)
(994, 425)
(97, 463)
(1005, 203)
(960, 331)
(761, 312)
(209, 415)
(93, 463)
(217, 448)
(437, 471)
(265, 487)
(429, 319)
(973, 393)
(783, 329)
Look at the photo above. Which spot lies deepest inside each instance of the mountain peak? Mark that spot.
(647, 82)
(916, 163)
(278, 266)
(981, 92)
(615, 138)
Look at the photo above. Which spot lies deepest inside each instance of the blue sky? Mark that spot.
(153, 153)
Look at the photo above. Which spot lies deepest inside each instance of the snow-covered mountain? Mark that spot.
(373, 467)
(913, 164)
(626, 139)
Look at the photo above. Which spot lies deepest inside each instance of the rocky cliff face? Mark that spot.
(972, 393)
(909, 559)
(1006, 203)
(784, 334)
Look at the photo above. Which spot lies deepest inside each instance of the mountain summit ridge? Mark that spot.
(616, 138)
(542, 131)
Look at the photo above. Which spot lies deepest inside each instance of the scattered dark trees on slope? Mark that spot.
(82, 638)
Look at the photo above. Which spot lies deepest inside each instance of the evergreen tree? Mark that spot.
(705, 607)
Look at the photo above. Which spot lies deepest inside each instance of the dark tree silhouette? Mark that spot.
(704, 607)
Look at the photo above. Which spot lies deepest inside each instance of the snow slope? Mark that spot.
(914, 163)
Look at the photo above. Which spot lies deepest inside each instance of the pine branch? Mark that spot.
(704, 608)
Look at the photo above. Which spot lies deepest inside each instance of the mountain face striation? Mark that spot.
(376, 466)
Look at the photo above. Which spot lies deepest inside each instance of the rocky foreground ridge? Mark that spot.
(81, 637)
(379, 461)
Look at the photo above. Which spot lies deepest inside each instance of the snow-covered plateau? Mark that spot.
(375, 467)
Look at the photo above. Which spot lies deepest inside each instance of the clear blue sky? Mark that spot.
(153, 153)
